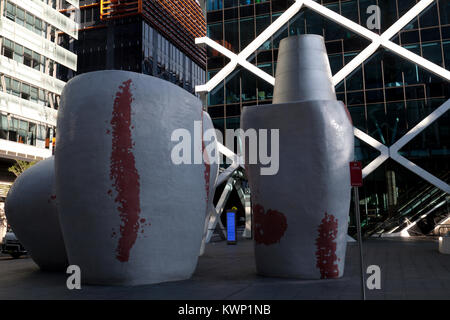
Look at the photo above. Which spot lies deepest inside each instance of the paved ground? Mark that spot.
(411, 269)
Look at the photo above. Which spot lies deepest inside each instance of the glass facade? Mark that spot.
(387, 95)
(134, 43)
(163, 59)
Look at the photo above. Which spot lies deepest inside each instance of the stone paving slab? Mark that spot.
(410, 269)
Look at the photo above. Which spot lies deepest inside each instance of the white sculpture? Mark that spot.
(301, 213)
(31, 211)
(129, 215)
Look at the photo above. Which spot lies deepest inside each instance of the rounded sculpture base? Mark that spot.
(301, 212)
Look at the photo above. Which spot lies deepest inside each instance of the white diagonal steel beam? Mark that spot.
(420, 61)
(405, 19)
(213, 44)
(218, 78)
(384, 151)
(343, 21)
(377, 40)
(241, 58)
(422, 125)
(411, 134)
(355, 62)
(421, 172)
(272, 29)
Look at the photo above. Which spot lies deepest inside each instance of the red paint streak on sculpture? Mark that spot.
(123, 172)
(207, 171)
(349, 116)
(270, 226)
(326, 248)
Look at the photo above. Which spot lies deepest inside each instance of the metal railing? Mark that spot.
(416, 203)
(441, 227)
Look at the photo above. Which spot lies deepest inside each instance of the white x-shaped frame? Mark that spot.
(377, 41)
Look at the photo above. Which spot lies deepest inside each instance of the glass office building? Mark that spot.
(150, 37)
(387, 95)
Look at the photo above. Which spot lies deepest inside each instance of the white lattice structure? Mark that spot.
(377, 41)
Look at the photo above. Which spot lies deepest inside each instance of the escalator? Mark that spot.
(420, 210)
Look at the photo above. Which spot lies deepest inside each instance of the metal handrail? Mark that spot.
(442, 226)
(431, 193)
(423, 188)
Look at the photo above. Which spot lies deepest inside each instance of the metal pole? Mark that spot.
(358, 228)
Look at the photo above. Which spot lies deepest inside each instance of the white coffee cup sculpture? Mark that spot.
(301, 212)
(129, 214)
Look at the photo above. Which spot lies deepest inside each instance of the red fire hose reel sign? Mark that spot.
(356, 179)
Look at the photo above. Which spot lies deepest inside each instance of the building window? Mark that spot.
(21, 131)
(24, 56)
(25, 19)
(214, 4)
(10, 11)
(4, 127)
(27, 57)
(20, 16)
(25, 91)
(34, 94)
(15, 86)
(18, 53)
(29, 22)
(7, 48)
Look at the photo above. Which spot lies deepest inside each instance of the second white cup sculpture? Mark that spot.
(132, 201)
(301, 212)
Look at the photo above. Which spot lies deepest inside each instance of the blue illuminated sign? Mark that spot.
(231, 226)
